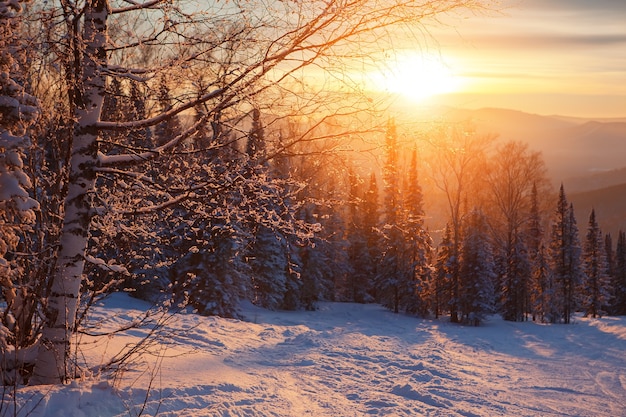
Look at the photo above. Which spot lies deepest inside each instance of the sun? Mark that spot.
(416, 76)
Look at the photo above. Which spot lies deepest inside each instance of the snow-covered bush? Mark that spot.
(18, 111)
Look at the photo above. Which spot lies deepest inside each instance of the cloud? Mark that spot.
(547, 40)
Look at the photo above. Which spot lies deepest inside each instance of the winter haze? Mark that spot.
(312, 208)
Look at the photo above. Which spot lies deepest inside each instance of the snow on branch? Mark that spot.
(137, 124)
(137, 6)
(138, 157)
(101, 263)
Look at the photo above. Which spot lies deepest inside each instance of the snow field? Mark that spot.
(348, 360)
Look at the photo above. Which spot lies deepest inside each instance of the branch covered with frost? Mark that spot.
(107, 266)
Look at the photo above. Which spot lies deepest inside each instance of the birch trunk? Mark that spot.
(52, 365)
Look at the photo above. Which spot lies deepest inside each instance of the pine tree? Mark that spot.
(255, 145)
(619, 276)
(359, 275)
(269, 266)
(418, 245)
(271, 255)
(315, 273)
(540, 277)
(610, 255)
(534, 234)
(476, 295)
(516, 282)
(542, 289)
(171, 127)
(371, 222)
(593, 291)
(565, 255)
(390, 274)
(441, 278)
(212, 279)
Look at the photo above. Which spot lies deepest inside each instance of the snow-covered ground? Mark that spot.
(346, 360)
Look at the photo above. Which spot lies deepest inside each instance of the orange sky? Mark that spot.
(563, 57)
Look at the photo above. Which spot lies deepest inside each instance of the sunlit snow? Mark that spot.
(346, 360)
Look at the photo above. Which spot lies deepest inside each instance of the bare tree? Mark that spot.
(459, 153)
(512, 172)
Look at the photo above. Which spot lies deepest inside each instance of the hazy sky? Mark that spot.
(549, 57)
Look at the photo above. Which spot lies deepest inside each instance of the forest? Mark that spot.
(184, 156)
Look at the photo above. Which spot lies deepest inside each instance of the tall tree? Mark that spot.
(440, 291)
(619, 276)
(565, 256)
(534, 232)
(514, 174)
(476, 293)
(542, 291)
(418, 244)
(594, 288)
(371, 221)
(391, 273)
(360, 274)
(459, 156)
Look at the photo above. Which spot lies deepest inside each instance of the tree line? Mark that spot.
(179, 154)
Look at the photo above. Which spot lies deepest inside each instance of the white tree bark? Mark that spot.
(52, 365)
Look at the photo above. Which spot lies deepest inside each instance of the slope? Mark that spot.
(348, 360)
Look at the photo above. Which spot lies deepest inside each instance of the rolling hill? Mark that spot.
(610, 207)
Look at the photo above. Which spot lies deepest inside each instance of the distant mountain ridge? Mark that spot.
(587, 156)
(573, 148)
(609, 204)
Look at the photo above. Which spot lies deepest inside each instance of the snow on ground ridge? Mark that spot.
(360, 360)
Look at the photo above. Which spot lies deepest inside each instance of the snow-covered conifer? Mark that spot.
(619, 276)
(391, 273)
(417, 244)
(565, 254)
(440, 279)
(18, 112)
(358, 280)
(476, 295)
(593, 290)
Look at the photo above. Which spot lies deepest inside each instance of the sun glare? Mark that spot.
(416, 77)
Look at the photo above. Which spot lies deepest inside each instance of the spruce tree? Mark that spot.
(171, 127)
(390, 274)
(516, 282)
(359, 275)
(417, 245)
(619, 276)
(594, 288)
(371, 221)
(565, 256)
(441, 278)
(476, 269)
(270, 252)
(534, 233)
(543, 307)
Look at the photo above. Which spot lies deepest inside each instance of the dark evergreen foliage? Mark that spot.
(618, 306)
(476, 293)
(515, 290)
(391, 273)
(359, 276)
(593, 292)
(440, 291)
(565, 253)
